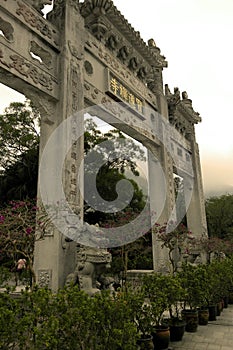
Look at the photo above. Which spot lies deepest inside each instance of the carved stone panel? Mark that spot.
(22, 12)
(27, 71)
(44, 278)
(99, 52)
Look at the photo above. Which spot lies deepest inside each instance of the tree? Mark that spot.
(219, 216)
(19, 180)
(178, 242)
(118, 154)
(19, 150)
(117, 143)
(19, 132)
(108, 156)
(19, 141)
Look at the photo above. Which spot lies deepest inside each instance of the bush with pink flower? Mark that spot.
(178, 242)
(17, 234)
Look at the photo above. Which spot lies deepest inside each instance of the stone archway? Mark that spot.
(89, 55)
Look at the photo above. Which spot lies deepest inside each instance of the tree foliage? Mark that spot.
(19, 180)
(117, 151)
(219, 216)
(19, 150)
(116, 154)
(19, 132)
(68, 319)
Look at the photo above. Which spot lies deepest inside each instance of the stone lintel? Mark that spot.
(23, 13)
(14, 64)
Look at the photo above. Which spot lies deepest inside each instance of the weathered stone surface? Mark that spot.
(87, 54)
(92, 263)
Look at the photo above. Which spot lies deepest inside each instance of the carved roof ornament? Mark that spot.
(185, 95)
(58, 11)
(160, 60)
(151, 43)
(94, 12)
(124, 53)
(178, 106)
(39, 4)
(112, 42)
(96, 7)
(107, 12)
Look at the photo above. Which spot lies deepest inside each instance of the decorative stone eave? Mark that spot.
(185, 108)
(181, 107)
(106, 8)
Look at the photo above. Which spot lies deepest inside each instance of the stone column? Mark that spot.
(196, 216)
(54, 257)
(161, 186)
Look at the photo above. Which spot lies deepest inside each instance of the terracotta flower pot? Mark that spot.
(230, 296)
(225, 302)
(161, 337)
(212, 312)
(203, 316)
(145, 343)
(191, 319)
(219, 308)
(177, 329)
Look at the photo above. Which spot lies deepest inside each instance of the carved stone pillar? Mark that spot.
(161, 200)
(196, 216)
(54, 254)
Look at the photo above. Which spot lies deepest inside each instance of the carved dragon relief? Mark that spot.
(7, 30)
(34, 20)
(39, 4)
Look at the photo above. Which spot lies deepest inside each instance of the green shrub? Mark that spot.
(67, 320)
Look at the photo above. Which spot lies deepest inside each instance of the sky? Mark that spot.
(195, 36)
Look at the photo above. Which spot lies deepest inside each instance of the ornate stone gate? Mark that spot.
(87, 54)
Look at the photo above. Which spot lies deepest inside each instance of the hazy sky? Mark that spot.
(195, 36)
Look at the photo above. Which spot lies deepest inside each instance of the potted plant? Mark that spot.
(177, 242)
(175, 321)
(157, 288)
(219, 282)
(190, 281)
(202, 280)
(141, 311)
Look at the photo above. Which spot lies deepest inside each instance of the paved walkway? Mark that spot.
(217, 335)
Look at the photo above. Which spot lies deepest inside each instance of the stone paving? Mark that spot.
(217, 335)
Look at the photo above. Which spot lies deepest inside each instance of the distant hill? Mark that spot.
(218, 191)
